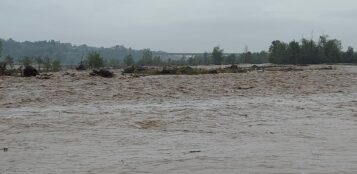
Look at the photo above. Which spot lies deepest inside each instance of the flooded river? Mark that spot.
(260, 122)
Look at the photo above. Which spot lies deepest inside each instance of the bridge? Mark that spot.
(195, 54)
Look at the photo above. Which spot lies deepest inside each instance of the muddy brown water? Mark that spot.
(259, 122)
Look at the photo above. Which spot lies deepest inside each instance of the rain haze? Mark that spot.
(178, 25)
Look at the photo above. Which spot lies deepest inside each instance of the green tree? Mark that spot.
(309, 52)
(206, 59)
(333, 50)
(230, 59)
(9, 60)
(169, 62)
(293, 53)
(56, 65)
(247, 56)
(47, 63)
(26, 61)
(349, 55)
(157, 61)
(39, 62)
(95, 60)
(217, 55)
(147, 57)
(129, 60)
(321, 54)
(193, 61)
(277, 52)
(182, 61)
(260, 57)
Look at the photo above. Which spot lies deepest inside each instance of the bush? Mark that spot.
(103, 73)
(135, 69)
(95, 60)
(56, 65)
(30, 71)
(81, 67)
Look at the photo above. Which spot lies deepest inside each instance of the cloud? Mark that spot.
(177, 25)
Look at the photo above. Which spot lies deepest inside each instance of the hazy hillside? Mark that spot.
(66, 52)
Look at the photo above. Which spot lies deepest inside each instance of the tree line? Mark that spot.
(311, 52)
(307, 51)
(65, 52)
(216, 57)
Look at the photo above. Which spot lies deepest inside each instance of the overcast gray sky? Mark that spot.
(178, 25)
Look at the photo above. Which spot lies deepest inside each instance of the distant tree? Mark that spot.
(39, 62)
(293, 53)
(199, 59)
(206, 59)
(47, 63)
(147, 58)
(277, 52)
(247, 56)
(26, 61)
(65, 52)
(192, 61)
(230, 59)
(8, 60)
(309, 52)
(333, 50)
(157, 61)
(129, 60)
(321, 53)
(260, 57)
(182, 61)
(56, 65)
(217, 55)
(95, 60)
(169, 62)
(115, 63)
(349, 55)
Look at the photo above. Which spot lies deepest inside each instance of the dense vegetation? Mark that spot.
(311, 52)
(65, 52)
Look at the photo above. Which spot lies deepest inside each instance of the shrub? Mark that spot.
(95, 60)
(56, 65)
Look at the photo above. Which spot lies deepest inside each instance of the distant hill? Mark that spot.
(66, 52)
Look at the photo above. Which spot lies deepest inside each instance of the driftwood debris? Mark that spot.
(103, 73)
